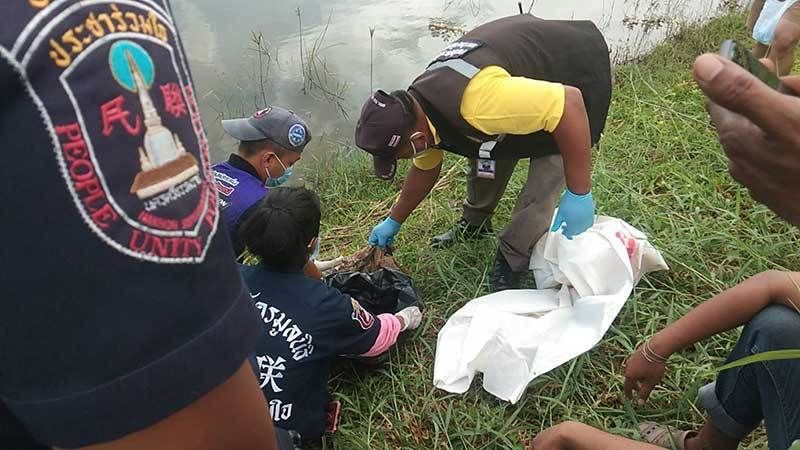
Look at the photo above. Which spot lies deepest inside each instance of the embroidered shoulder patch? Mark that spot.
(458, 49)
(113, 87)
(364, 318)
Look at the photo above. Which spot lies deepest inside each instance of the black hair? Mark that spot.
(251, 148)
(281, 226)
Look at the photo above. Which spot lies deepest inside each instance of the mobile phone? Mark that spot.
(735, 52)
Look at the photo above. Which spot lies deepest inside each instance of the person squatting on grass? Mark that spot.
(768, 304)
(306, 323)
(271, 141)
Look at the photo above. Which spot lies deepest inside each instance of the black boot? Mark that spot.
(462, 230)
(502, 276)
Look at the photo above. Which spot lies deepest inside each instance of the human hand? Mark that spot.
(554, 438)
(642, 376)
(383, 234)
(330, 264)
(759, 129)
(577, 211)
(411, 317)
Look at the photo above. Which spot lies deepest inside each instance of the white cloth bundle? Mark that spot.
(516, 335)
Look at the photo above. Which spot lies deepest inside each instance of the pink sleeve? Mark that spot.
(390, 329)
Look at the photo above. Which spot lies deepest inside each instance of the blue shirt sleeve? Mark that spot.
(353, 330)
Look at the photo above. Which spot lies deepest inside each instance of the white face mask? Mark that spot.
(414, 147)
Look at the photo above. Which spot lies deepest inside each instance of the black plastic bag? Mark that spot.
(382, 291)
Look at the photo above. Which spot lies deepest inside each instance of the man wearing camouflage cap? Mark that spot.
(271, 141)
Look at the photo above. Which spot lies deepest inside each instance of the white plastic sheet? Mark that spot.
(516, 335)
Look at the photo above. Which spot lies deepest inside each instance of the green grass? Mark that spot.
(659, 167)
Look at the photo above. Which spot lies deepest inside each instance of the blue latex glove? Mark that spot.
(383, 234)
(575, 213)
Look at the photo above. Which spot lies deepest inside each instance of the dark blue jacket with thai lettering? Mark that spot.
(239, 189)
(306, 325)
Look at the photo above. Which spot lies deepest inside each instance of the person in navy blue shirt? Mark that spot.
(126, 323)
(271, 141)
(305, 323)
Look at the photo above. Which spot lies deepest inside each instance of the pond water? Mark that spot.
(246, 54)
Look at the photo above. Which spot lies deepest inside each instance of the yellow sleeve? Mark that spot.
(429, 159)
(497, 103)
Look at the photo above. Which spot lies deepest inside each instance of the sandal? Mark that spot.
(664, 436)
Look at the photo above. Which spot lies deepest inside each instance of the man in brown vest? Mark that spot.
(518, 87)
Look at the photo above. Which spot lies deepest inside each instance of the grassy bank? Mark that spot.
(660, 168)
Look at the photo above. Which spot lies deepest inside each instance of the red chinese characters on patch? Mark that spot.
(114, 111)
(173, 100)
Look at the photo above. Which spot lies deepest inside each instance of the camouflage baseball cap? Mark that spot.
(277, 124)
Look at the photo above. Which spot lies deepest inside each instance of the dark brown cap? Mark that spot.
(380, 129)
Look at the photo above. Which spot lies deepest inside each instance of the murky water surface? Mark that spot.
(245, 54)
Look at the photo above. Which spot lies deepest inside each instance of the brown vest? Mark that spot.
(569, 52)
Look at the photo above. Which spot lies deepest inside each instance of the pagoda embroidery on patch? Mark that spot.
(163, 158)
